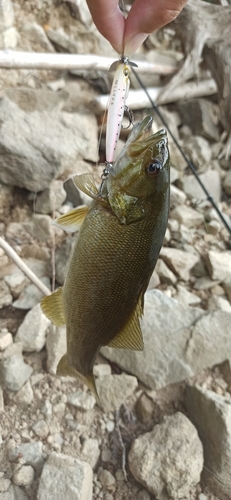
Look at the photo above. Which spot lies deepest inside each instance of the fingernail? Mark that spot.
(134, 43)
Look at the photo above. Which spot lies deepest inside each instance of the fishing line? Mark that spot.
(189, 163)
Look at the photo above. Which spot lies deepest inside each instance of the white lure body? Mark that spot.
(117, 102)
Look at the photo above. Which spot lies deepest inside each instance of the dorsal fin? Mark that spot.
(52, 307)
(71, 221)
(86, 183)
(131, 336)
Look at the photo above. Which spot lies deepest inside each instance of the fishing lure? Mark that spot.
(117, 104)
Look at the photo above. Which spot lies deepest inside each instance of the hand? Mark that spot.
(145, 16)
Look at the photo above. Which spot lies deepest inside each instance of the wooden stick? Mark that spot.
(137, 99)
(35, 60)
(24, 268)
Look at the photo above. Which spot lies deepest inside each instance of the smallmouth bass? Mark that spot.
(119, 242)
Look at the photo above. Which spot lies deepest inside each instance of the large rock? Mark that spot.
(179, 341)
(168, 460)
(70, 479)
(39, 146)
(212, 182)
(180, 262)
(166, 328)
(211, 414)
(14, 372)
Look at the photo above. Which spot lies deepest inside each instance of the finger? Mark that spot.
(145, 17)
(109, 20)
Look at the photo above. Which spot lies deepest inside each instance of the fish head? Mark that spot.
(140, 174)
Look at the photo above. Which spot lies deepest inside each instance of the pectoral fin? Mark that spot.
(131, 336)
(52, 307)
(86, 183)
(64, 369)
(71, 221)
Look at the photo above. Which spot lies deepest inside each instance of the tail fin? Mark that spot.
(65, 369)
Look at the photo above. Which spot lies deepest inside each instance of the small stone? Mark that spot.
(81, 400)
(31, 295)
(25, 395)
(41, 429)
(219, 265)
(178, 473)
(106, 478)
(70, 479)
(6, 340)
(202, 497)
(102, 370)
(5, 296)
(6, 15)
(177, 196)
(39, 226)
(47, 408)
(144, 408)
(14, 372)
(165, 274)
(36, 35)
(1, 400)
(30, 452)
(187, 216)
(113, 390)
(179, 261)
(143, 495)
(51, 199)
(186, 297)
(4, 485)
(56, 346)
(106, 455)
(154, 281)
(32, 331)
(199, 151)
(24, 476)
(110, 426)
(90, 452)
(226, 184)
(59, 410)
(16, 282)
(216, 302)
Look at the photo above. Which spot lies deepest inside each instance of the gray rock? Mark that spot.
(14, 373)
(16, 282)
(186, 297)
(180, 262)
(165, 274)
(83, 44)
(68, 477)
(6, 340)
(30, 296)
(226, 184)
(166, 328)
(32, 331)
(14, 493)
(199, 114)
(81, 400)
(90, 452)
(51, 199)
(113, 390)
(1, 400)
(168, 460)
(25, 395)
(30, 452)
(6, 15)
(39, 226)
(211, 180)
(101, 370)
(14, 349)
(211, 414)
(24, 476)
(39, 146)
(106, 478)
(216, 302)
(37, 36)
(188, 216)
(177, 196)
(41, 429)
(203, 348)
(199, 151)
(62, 259)
(56, 346)
(5, 295)
(9, 38)
(6, 201)
(29, 99)
(219, 265)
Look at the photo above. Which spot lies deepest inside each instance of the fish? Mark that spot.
(120, 237)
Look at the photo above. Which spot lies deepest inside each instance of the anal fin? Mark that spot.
(131, 335)
(71, 221)
(52, 307)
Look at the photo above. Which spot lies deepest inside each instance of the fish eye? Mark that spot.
(154, 168)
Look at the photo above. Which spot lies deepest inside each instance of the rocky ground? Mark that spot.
(164, 428)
